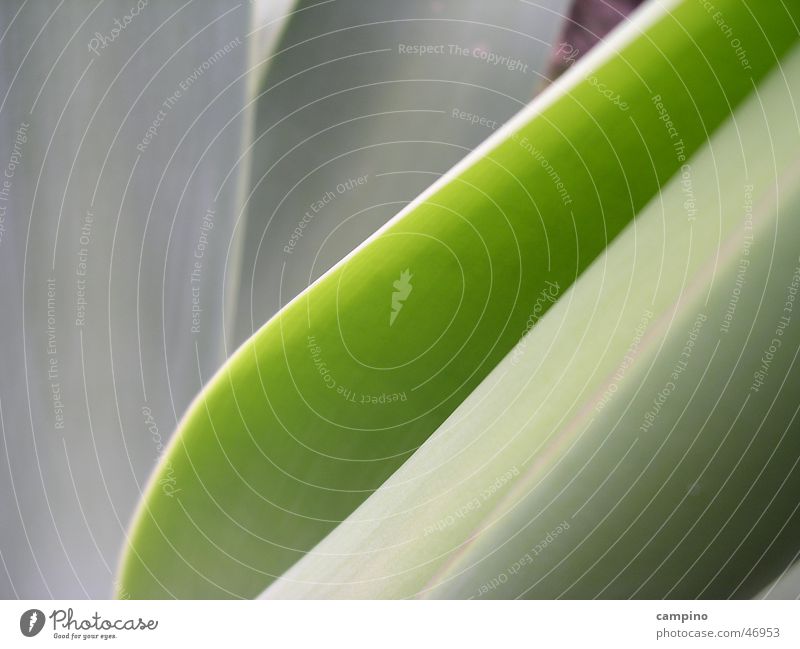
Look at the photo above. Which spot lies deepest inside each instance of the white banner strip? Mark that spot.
(372, 624)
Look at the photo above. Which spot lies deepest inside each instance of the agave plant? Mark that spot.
(566, 369)
(561, 365)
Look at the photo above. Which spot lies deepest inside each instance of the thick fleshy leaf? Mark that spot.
(344, 98)
(99, 226)
(328, 399)
(642, 440)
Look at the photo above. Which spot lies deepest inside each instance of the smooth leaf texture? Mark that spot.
(784, 587)
(121, 326)
(327, 400)
(625, 447)
(340, 101)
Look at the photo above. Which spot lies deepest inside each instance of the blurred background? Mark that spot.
(176, 171)
(159, 157)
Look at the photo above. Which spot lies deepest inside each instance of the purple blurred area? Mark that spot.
(589, 21)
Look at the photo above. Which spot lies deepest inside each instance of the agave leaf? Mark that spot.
(787, 586)
(68, 487)
(328, 399)
(626, 447)
(341, 101)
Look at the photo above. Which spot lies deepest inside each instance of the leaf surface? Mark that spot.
(330, 397)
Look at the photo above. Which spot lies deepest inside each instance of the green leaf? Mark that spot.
(340, 101)
(330, 397)
(87, 146)
(626, 447)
